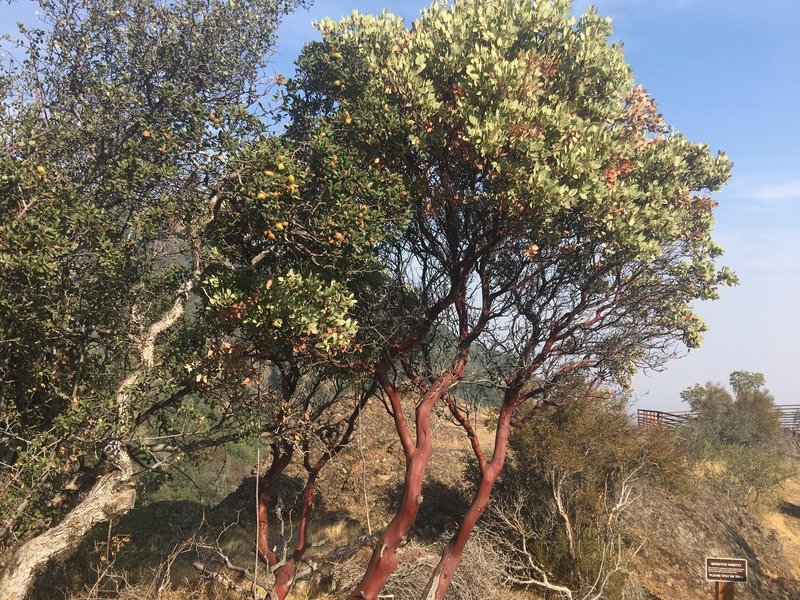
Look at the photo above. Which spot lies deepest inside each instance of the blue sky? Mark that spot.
(724, 72)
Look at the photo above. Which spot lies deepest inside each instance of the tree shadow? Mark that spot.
(140, 543)
(738, 539)
(135, 544)
(789, 509)
(441, 510)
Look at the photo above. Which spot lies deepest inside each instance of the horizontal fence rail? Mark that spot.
(789, 416)
(668, 419)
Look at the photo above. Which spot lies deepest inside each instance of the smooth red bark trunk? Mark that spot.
(490, 470)
(285, 574)
(384, 557)
(280, 460)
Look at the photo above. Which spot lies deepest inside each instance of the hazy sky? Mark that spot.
(726, 72)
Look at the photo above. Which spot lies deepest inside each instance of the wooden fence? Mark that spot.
(789, 414)
(668, 419)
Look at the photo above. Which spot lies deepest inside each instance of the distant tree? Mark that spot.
(749, 417)
(743, 382)
(713, 408)
(554, 224)
(756, 418)
(736, 439)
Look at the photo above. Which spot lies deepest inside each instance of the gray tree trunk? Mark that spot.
(111, 496)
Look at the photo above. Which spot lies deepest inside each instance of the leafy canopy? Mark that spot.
(134, 153)
(747, 418)
(526, 154)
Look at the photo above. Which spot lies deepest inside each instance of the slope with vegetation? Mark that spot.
(747, 471)
(480, 209)
(590, 507)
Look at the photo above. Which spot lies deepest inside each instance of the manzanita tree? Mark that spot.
(309, 205)
(554, 223)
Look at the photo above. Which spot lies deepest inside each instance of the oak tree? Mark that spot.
(126, 128)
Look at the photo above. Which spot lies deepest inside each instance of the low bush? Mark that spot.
(559, 515)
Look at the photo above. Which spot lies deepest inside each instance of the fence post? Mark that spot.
(724, 590)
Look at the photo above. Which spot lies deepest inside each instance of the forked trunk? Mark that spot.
(384, 556)
(490, 470)
(111, 496)
(280, 460)
(285, 574)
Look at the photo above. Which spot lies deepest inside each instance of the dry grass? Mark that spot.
(114, 586)
(785, 522)
(707, 468)
(454, 437)
(339, 544)
(337, 534)
(478, 578)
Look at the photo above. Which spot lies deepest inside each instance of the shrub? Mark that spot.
(735, 441)
(559, 516)
(747, 475)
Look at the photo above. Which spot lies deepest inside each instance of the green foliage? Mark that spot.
(749, 419)
(295, 237)
(746, 474)
(293, 307)
(121, 125)
(565, 498)
(736, 442)
(520, 138)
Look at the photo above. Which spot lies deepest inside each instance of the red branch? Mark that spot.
(451, 555)
(281, 457)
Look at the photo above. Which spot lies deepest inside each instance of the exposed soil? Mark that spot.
(785, 522)
(359, 490)
(684, 528)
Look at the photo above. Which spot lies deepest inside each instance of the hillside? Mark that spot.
(694, 525)
(679, 528)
